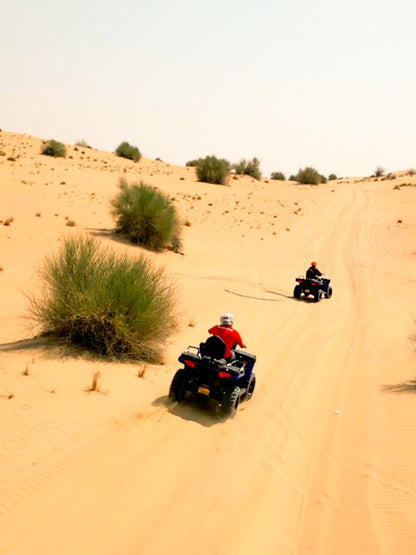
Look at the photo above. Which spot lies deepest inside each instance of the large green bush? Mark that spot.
(212, 170)
(108, 304)
(146, 217)
(126, 150)
(54, 148)
(248, 167)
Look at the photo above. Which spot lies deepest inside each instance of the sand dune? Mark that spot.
(319, 461)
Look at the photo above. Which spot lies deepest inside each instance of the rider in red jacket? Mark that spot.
(226, 332)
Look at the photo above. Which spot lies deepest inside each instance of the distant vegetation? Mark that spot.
(192, 163)
(331, 177)
(308, 176)
(212, 170)
(278, 175)
(110, 305)
(379, 171)
(54, 148)
(146, 217)
(126, 150)
(248, 167)
(82, 144)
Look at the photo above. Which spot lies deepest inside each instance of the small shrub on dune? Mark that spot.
(54, 148)
(278, 175)
(332, 176)
(82, 144)
(192, 163)
(213, 170)
(248, 167)
(379, 171)
(146, 217)
(108, 304)
(308, 176)
(126, 150)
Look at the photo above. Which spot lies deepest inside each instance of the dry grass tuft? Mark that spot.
(95, 383)
(142, 370)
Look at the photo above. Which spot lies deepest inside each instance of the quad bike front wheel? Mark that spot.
(177, 390)
(328, 294)
(250, 388)
(230, 401)
(318, 295)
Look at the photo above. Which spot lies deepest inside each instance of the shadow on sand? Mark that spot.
(404, 387)
(109, 233)
(39, 342)
(200, 409)
(260, 298)
(51, 347)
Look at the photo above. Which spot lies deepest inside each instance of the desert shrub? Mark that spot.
(248, 167)
(292, 178)
(213, 170)
(308, 176)
(323, 179)
(192, 163)
(146, 217)
(126, 150)
(278, 175)
(82, 144)
(108, 304)
(331, 177)
(54, 148)
(379, 171)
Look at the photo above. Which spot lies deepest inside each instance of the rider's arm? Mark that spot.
(238, 339)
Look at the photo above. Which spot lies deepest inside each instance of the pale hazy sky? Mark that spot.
(325, 83)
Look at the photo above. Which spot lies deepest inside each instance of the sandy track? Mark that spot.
(318, 462)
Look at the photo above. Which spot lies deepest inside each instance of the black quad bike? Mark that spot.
(206, 372)
(316, 287)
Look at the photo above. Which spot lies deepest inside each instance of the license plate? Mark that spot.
(203, 390)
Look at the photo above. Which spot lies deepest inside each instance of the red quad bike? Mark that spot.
(206, 372)
(315, 287)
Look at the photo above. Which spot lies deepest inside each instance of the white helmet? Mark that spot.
(226, 319)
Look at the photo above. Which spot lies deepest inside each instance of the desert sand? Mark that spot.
(320, 461)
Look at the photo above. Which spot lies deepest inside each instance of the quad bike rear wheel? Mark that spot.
(297, 291)
(177, 390)
(230, 401)
(328, 294)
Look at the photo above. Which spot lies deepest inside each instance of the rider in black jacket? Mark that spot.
(313, 272)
